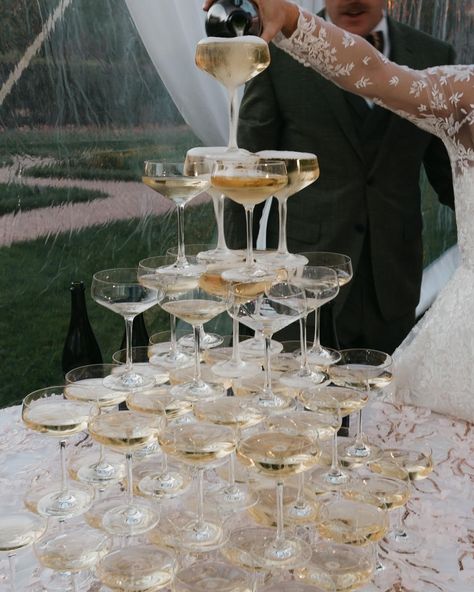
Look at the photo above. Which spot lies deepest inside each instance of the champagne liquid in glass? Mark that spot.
(232, 61)
(56, 416)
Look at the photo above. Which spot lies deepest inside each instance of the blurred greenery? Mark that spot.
(36, 279)
(15, 197)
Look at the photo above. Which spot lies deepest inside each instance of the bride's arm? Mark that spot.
(352, 63)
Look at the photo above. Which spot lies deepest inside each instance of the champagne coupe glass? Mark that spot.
(161, 274)
(166, 482)
(320, 285)
(239, 413)
(137, 568)
(302, 169)
(351, 522)
(385, 493)
(317, 425)
(199, 444)
(213, 282)
(404, 463)
(233, 62)
(47, 411)
(332, 399)
(281, 304)
(208, 575)
(295, 586)
(342, 265)
(70, 554)
(126, 431)
(220, 253)
(362, 369)
(180, 184)
(196, 307)
(278, 454)
(120, 291)
(248, 183)
(208, 340)
(338, 568)
(18, 529)
(86, 384)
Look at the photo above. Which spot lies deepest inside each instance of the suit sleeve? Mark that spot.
(258, 129)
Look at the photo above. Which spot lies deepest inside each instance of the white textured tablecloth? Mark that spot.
(441, 508)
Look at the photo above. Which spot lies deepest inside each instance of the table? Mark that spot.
(441, 507)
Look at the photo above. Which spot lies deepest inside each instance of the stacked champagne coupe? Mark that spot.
(225, 471)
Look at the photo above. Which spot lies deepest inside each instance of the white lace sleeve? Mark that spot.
(439, 100)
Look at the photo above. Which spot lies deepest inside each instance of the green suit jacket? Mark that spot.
(370, 171)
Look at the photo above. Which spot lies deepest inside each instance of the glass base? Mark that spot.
(274, 403)
(257, 548)
(301, 379)
(208, 340)
(323, 356)
(232, 369)
(128, 380)
(249, 273)
(130, 519)
(256, 347)
(221, 255)
(291, 261)
(234, 498)
(295, 513)
(167, 359)
(322, 480)
(51, 501)
(62, 581)
(110, 469)
(407, 542)
(181, 530)
(352, 454)
(198, 391)
(165, 485)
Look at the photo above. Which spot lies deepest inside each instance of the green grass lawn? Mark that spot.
(15, 196)
(35, 301)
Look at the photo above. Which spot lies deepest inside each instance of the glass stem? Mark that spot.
(12, 569)
(200, 500)
(181, 252)
(317, 340)
(304, 368)
(249, 227)
(235, 338)
(173, 343)
(279, 499)
(335, 458)
(231, 477)
(399, 528)
(218, 201)
(282, 212)
(74, 582)
(300, 498)
(128, 334)
(233, 110)
(129, 462)
(360, 438)
(62, 460)
(267, 387)
(197, 353)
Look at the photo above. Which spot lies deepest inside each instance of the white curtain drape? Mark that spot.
(170, 30)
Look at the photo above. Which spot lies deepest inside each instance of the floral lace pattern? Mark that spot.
(434, 364)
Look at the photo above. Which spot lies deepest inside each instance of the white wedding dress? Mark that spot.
(434, 366)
